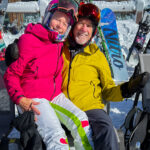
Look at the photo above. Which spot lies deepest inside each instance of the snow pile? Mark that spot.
(9, 38)
(31, 7)
(124, 6)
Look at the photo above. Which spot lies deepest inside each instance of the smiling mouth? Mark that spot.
(82, 34)
(57, 31)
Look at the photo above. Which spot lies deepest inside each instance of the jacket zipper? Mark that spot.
(69, 75)
(72, 55)
(36, 72)
(55, 74)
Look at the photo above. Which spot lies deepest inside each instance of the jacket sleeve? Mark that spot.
(14, 72)
(110, 91)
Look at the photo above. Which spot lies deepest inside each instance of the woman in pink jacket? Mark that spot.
(34, 80)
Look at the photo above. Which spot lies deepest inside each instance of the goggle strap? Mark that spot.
(46, 18)
(71, 11)
(65, 35)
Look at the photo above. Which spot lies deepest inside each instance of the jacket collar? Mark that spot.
(39, 31)
(89, 49)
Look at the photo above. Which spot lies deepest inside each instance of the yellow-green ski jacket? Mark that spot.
(90, 80)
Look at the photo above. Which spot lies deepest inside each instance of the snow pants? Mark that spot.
(61, 109)
(104, 136)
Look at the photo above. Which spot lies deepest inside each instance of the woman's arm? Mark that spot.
(14, 72)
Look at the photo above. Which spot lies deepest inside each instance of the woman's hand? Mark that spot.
(27, 104)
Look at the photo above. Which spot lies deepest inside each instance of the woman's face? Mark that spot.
(59, 22)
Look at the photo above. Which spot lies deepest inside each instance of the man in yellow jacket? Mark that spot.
(87, 80)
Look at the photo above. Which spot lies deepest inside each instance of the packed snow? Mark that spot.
(127, 30)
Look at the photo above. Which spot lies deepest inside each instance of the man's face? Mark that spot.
(83, 31)
(59, 22)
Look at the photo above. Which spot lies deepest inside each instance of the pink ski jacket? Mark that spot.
(37, 71)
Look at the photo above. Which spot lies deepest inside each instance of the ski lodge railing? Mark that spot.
(40, 5)
(36, 6)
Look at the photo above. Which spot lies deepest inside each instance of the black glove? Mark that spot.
(135, 84)
(11, 53)
(29, 137)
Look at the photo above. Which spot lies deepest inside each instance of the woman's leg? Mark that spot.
(75, 120)
(49, 127)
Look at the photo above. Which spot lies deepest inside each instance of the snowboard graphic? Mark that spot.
(143, 30)
(110, 32)
(3, 7)
(7, 110)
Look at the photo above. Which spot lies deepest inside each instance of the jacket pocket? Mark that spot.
(96, 89)
(32, 69)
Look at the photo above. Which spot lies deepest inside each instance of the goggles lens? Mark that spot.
(89, 10)
(68, 5)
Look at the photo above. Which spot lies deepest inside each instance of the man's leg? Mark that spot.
(75, 120)
(104, 136)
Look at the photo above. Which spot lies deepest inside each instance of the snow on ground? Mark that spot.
(127, 30)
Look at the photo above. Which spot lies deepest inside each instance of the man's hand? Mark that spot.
(134, 84)
(28, 104)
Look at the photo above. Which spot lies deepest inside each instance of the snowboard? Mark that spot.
(99, 40)
(143, 30)
(139, 10)
(147, 49)
(3, 7)
(115, 56)
(6, 106)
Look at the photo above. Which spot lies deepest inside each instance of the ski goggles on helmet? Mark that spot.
(67, 6)
(89, 10)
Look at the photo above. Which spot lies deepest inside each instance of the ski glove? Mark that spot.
(134, 85)
(29, 135)
(11, 53)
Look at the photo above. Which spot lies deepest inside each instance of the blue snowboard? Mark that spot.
(110, 32)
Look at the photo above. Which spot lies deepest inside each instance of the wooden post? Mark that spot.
(42, 6)
(139, 10)
(16, 16)
(115, 0)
